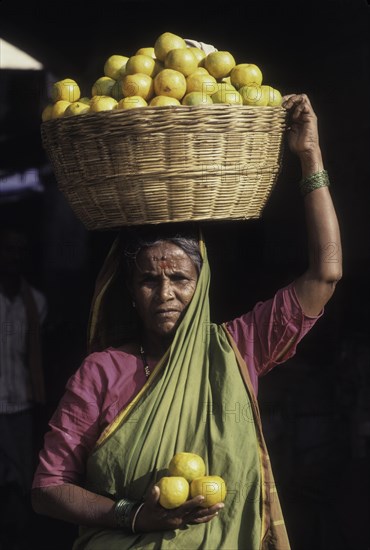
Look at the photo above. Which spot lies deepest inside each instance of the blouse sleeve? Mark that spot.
(269, 334)
(74, 428)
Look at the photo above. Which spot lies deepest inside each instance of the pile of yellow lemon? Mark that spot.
(187, 478)
(168, 73)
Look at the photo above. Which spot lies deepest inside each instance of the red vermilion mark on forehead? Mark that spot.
(164, 263)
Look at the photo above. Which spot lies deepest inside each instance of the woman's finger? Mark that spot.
(296, 100)
(204, 519)
(191, 505)
(153, 495)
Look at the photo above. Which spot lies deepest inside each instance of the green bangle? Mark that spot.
(315, 181)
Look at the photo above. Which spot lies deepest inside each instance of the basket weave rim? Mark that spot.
(139, 112)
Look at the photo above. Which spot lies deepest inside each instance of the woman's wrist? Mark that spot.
(134, 524)
(314, 181)
(311, 162)
(124, 511)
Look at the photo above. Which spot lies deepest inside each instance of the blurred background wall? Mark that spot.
(316, 407)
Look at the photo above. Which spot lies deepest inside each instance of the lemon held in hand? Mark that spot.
(187, 465)
(213, 488)
(174, 491)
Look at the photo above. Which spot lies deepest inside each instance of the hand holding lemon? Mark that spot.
(187, 475)
(186, 496)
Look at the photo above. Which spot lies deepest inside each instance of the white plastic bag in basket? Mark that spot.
(207, 48)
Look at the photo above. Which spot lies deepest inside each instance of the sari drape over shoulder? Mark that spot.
(199, 399)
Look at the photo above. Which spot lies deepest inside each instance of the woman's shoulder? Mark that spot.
(126, 351)
(108, 364)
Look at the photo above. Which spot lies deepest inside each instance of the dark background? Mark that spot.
(316, 407)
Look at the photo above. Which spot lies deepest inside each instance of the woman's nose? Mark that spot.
(165, 291)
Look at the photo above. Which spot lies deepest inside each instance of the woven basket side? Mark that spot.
(189, 163)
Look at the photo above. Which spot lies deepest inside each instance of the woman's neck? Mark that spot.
(154, 347)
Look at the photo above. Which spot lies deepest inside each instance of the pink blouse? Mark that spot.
(107, 381)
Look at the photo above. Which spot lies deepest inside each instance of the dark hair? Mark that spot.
(185, 237)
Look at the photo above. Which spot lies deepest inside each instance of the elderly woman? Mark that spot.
(162, 378)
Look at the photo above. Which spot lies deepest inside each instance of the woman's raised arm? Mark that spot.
(316, 285)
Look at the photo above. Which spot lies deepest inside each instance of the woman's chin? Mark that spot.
(167, 329)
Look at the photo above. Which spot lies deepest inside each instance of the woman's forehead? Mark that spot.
(163, 255)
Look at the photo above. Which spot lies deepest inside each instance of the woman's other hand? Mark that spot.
(153, 517)
(303, 136)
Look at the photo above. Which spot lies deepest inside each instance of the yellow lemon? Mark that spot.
(196, 98)
(199, 54)
(138, 84)
(132, 102)
(47, 113)
(171, 83)
(202, 70)
(227, 94)
(85, 99)
(219, 64)
(66, 90)
(245, 74)
(213, 488)
(174, 491)
(182, 60)
(274, 96)
(102, 103)
(102, 86)
(162, 100)
(146, 51)
(199, 81)
(76, 108)
(141, 64)
(166, 42)
(186, 464)
(116, 90)
(254, 95)
(114, 66)
(59, 108)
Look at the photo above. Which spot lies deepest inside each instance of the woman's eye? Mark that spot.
(147, 279)
(179, 278)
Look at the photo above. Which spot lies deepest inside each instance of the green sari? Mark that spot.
(198, 398)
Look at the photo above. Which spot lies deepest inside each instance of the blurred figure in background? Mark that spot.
(23, 310)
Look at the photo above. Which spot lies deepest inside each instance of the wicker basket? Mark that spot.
(166, 164)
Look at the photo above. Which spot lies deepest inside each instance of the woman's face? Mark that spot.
(164, 281)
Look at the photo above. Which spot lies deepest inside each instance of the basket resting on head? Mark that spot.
(166, 164)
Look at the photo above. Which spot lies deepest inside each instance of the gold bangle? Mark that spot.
(315, 181)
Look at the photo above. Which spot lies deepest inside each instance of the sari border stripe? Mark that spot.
(123, 414)
(262, 451)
